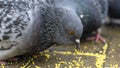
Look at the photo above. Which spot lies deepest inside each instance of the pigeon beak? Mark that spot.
(77, 43)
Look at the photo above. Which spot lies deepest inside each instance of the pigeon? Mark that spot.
(114, 12)
(98, 11)
(31, 26)
(92, 13)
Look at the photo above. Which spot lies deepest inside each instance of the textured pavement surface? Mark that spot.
(91, 55)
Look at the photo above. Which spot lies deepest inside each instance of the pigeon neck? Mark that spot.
(51, 18)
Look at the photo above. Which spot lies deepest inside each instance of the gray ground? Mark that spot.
(91, 55)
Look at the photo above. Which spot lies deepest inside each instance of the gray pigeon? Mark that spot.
(30, 26)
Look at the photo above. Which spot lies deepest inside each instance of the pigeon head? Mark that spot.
(69, 26)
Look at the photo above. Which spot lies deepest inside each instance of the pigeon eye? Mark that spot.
(71, 32)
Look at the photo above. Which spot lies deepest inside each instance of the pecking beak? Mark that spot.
(77, 43)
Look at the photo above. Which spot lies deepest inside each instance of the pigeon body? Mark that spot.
(30, 26)
(93, 17)
(94, 12)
